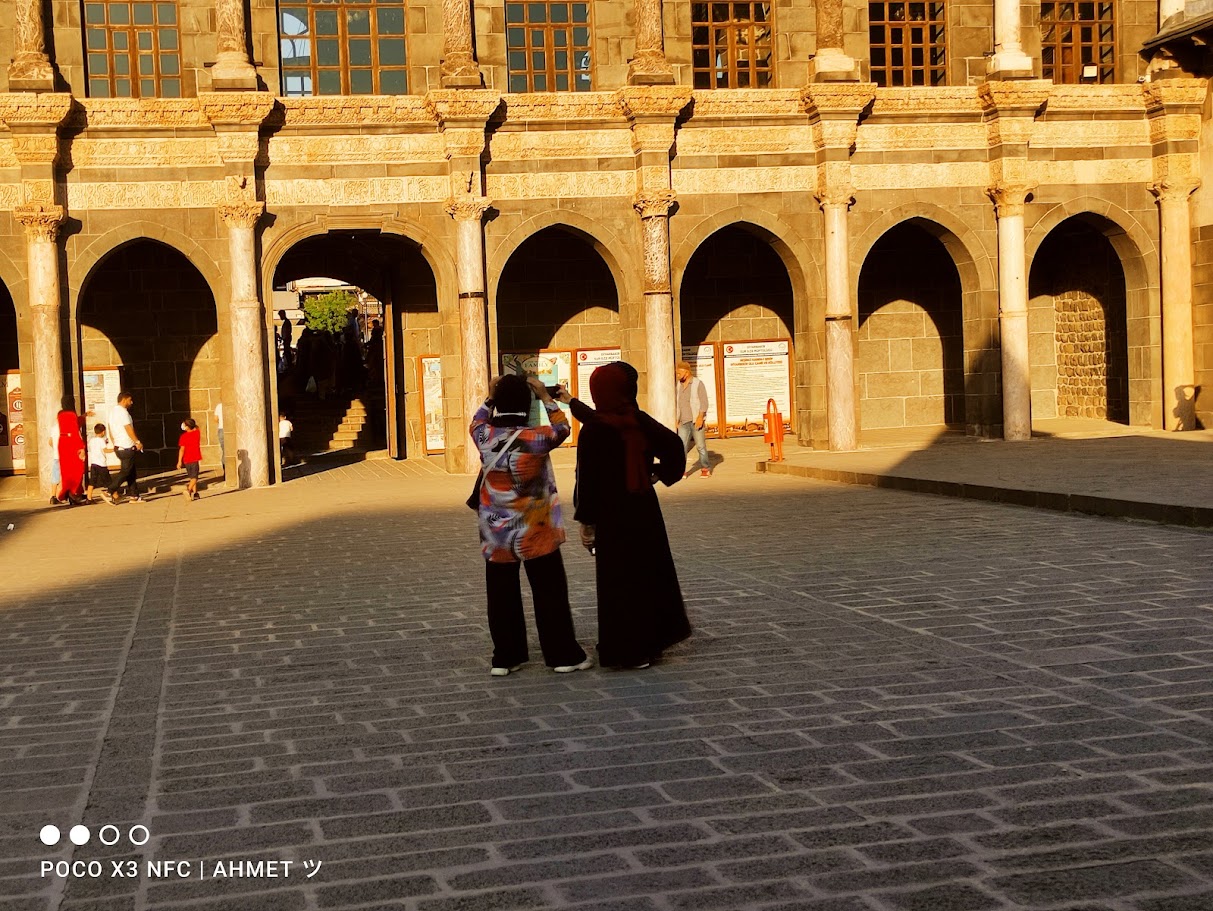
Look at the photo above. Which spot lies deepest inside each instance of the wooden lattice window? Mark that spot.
(343, 47)
(1078, 42)
(548, 47)
(133, 49)
(908, 43)
(732, 45)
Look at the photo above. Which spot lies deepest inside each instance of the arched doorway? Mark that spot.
(1077, 321)
(350, 391)
(557, 295)
(12, 429)
(910, 339)
(147, 321)
(736, 311)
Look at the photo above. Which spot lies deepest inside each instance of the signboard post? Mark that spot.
(753, 373)
(589, 360)
(12, 447)
(429, 381)
(100, 389)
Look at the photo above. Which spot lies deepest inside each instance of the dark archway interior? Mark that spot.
(355, 416)
(1077, 268)
(735, 288)
(910, 357)
(556, 291)
(9, 359)
(146, 309)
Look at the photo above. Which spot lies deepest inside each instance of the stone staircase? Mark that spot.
(333, 425)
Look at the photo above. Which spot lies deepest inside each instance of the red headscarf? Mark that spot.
(614, 401)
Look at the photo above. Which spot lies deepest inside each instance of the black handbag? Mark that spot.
(473, 500)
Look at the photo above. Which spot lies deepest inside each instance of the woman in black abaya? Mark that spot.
(619, 452)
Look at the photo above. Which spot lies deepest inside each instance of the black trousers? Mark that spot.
(126, 472)
(554, 621)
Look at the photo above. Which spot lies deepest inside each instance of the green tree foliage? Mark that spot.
(327, 312)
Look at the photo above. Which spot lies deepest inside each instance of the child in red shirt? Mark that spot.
(189, 455)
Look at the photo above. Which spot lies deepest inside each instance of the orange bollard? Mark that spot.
(772, 431)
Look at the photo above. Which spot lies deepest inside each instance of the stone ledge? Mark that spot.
(1108, 507)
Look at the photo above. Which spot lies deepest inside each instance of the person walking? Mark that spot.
(189, 456)
(98, 466)
(520, 526)
(222, 451)
(288, 333)
(71, 452)
(619, 453)
(285, 429)
(126, 446)
(692, 416)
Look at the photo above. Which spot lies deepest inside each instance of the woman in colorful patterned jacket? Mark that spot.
(520, 525)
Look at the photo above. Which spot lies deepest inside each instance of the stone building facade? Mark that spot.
(999, 226)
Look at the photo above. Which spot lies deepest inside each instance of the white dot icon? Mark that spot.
(49, 835)
(79, 835)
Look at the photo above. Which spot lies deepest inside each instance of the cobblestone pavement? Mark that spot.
(892, 702)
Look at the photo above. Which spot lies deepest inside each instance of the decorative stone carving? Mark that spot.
(468, 208)
(901, 135)
(1089, 98)
(562, 107)
(382, 148)
(39, 192)
(358, 110)
(338, 192)
(241, 214)
(36, 148)
(694, 182)
(31, 67)
(734, 103)
(960, 101)
(451, 106)
(136, 114)
(1010, 199)
(640, 101)
(586, 184)
(459, 66)
(10, 196)
(44, 109)
(754, 140)
(649, 66)
(653, 136)
(145, 153)
(146, 195)
(532, 145)
(41, 222)
(1190, 93)
(1023, 97)
(835, 196)
(1174, 188)
(831, 63)
(654, 203)
(236, 109)
(846, 98)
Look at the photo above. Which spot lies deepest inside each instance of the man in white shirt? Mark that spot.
(222, 454)
(126, 445)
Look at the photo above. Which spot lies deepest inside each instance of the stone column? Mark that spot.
(31, 69)
(654, 210)
(1009, 61)
(649, 66)
(459, 67)
(248, 346)
(831, 63)
(468, 213)
(840, 345)
(41, 225)
(1178, 370)
(232, 70)
(1009, 202)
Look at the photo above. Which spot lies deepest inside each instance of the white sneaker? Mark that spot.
(504, 671)
(569, 668)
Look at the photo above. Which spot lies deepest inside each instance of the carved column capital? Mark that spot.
(31, 69)
(654, 203)
(1010, 199)
(468, 208)
(41, 222)
(1174, 188)
(835, 196)
(243, 214)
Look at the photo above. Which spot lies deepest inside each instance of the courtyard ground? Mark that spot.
(892, 702)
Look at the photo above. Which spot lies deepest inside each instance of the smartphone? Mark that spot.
(553, 391)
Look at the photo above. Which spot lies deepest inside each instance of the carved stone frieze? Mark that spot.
(35, 148)
(342, 149)
(238, 145)
(236, 109)
(464, 143)
(10, 196)
(468, 208)
(746, 103)
(145, 153)
(1189, 93)
(454, 105)
(531, 145)
(560, 185)
(41, 222)
(358, 110)
(925, 175)
(337, 192)
(958, 100)
(39, 192)
(752, 140)
(137, 114)
(244, 214)
(1088, 98)
(34, 109)
(642, 101)
(690, 182)
(899, 136)
(1010, 199)
(654, 203)
(562, 107)
(837, 98)
(1098, 133)
(1022, 97)
(653, 136)
(154, 195)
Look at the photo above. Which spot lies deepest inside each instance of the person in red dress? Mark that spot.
(71, 456)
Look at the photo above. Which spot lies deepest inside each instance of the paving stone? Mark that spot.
(1107, 880)
(952, 897)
